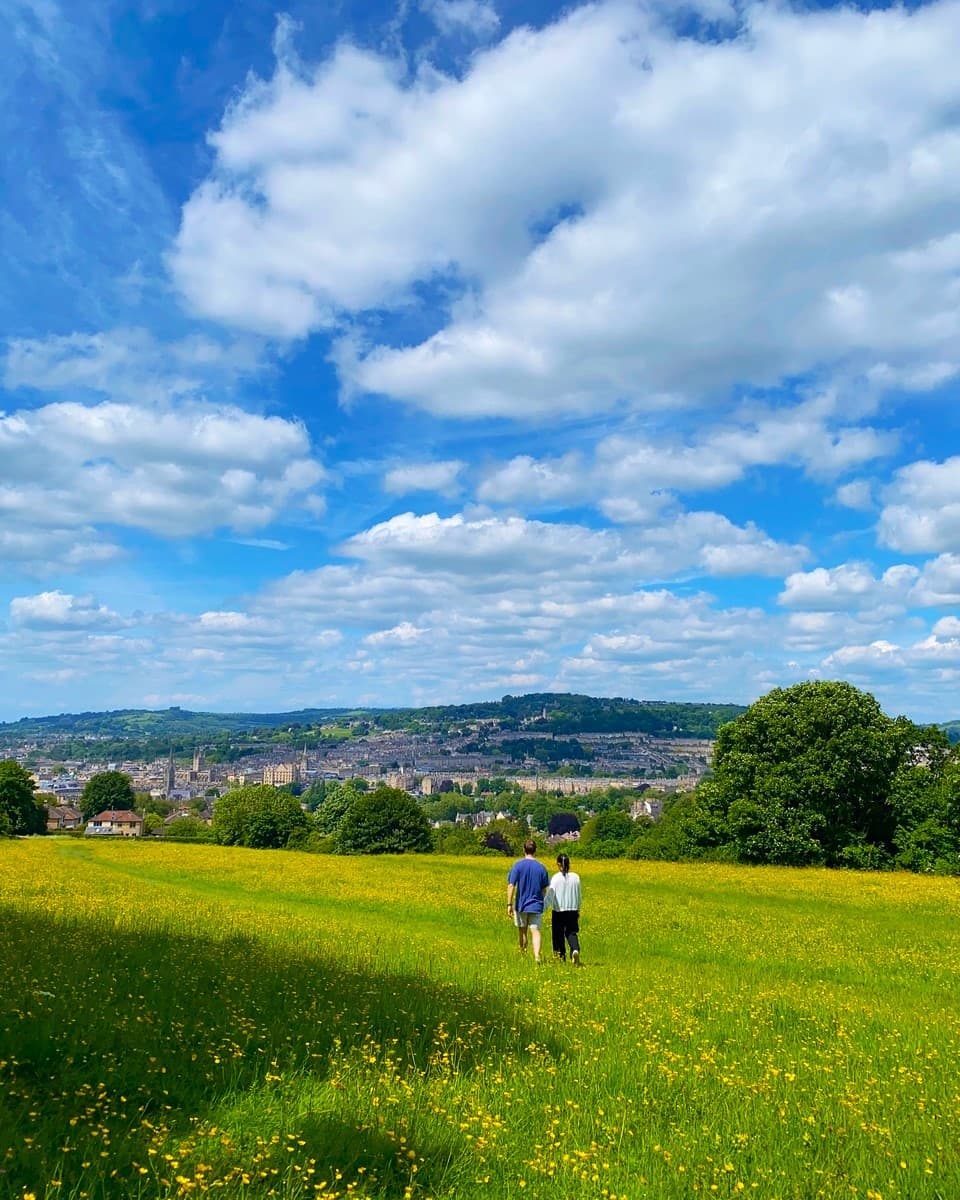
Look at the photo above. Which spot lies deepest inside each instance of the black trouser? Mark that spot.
(564, 927)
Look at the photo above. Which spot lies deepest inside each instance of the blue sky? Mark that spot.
(420, 353)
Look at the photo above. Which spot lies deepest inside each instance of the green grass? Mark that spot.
(177, 1020)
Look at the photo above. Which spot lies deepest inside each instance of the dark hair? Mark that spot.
(529, 846)
(563, 862)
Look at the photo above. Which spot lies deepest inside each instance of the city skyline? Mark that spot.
(397, 355)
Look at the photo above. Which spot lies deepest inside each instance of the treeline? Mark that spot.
(348, 818)
(815, 774)
(564, 713)
(351, 818)
(222, 748)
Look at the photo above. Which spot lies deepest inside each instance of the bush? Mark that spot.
(456, 839)
(384, 821)
(310, 841)
(861, 856)
(503, 836)
(188, 829)
(930, 847)
(607, 835)
(687, 830)
(257, 816)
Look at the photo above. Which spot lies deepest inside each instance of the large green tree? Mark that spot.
(806, 775)
(384, 821)
(257, 816)
(338, 797)
(19, 810)
(108, 790)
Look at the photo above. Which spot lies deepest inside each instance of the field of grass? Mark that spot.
(178, 1020)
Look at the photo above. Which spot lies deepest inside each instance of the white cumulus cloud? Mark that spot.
(922, 508)
(847, 587)
(68, 468)
(59, 610)
(621, 208)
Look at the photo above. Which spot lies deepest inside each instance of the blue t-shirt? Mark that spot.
(530, 878)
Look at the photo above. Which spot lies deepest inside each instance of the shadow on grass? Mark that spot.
(115, 1041)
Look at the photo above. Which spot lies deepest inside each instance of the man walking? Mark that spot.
(526, 887)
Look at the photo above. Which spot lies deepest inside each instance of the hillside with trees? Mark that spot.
(144, 733)
(568, 713)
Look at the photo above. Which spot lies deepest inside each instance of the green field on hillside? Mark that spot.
(178, 1020)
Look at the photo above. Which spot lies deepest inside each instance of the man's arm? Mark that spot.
(511, 892)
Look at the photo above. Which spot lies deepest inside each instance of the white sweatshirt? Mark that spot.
(565, 891)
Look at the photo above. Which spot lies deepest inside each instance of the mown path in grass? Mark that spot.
(177, 1020)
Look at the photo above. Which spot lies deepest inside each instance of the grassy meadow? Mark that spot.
(179, 1020)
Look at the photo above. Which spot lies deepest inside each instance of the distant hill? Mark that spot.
(144, 732)
(167, 722)
(952, 730)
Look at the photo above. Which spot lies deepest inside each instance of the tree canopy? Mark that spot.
(384, 821)
(19, 810)
(257, 816)
(338, 797)
(607, 834)
(108, 790)
(457, 839)
(806, 774)
(504, 836)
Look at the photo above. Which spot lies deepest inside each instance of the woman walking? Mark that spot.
(565, 922)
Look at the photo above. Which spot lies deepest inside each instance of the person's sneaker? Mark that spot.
(576, 958)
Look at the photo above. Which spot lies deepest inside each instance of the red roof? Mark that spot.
(118, 817)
